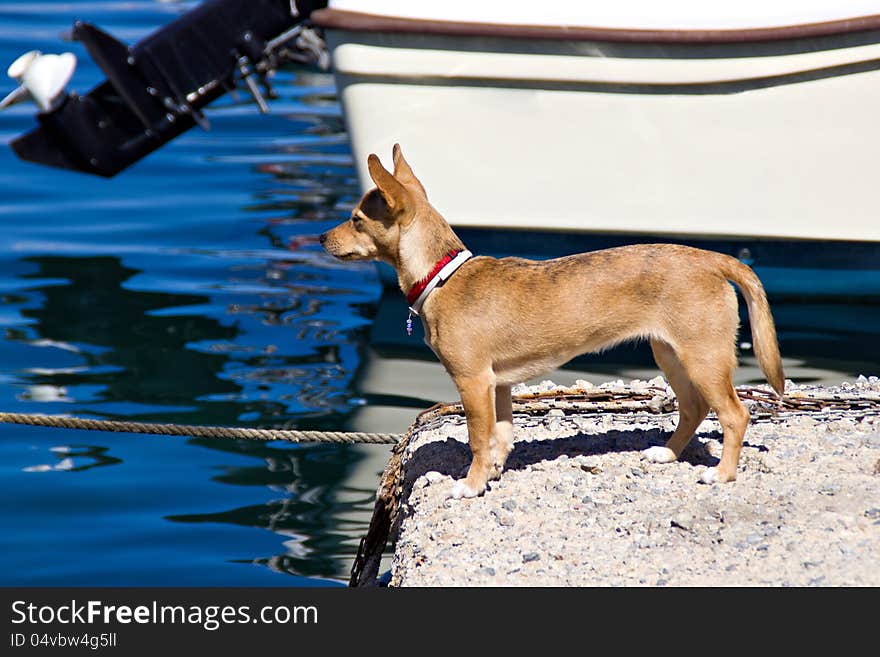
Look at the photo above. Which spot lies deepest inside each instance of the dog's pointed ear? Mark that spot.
(403, 171)
(392, 191)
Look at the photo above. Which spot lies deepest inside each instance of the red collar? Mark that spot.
(419, 287)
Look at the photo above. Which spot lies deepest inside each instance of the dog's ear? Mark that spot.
(392, 191)
(403, 171)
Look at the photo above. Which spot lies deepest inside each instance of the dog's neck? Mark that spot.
(423, 243)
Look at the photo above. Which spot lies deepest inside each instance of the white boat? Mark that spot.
(749, 121)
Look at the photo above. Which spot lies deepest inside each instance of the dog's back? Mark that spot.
(592, 301)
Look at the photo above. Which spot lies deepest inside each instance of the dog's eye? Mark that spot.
(356, 220)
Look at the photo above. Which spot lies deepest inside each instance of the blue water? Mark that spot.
(169, 294)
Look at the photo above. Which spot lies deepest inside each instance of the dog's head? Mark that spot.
(374, 229)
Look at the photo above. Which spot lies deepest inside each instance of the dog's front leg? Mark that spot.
(502, 435)
(478, 398)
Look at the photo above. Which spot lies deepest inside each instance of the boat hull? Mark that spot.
(767, 140)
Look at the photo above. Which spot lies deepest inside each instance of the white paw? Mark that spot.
(461, 489)
(658, 454)
(434, 477)
(710, 476)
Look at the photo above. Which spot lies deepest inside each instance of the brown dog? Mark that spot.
(498, 322)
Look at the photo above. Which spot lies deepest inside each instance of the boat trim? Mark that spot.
(339, 19)
(440, 67)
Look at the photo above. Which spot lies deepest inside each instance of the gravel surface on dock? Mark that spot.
(578, 506)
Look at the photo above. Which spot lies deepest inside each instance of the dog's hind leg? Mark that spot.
(734, 419)
(478, 398)
(501, 441)
(692, 408)
(711, 372)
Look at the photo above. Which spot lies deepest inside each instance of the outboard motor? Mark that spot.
(156, 89)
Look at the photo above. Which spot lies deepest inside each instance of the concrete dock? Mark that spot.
(578, 506)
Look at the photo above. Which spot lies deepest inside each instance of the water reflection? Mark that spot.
(76, 458)
(44, 392)
(131, 354)
(318, 515)
(139, 362)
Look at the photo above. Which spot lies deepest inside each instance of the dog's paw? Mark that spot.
(659, 454)
(460, 489)
(710, 476)
(716, 476)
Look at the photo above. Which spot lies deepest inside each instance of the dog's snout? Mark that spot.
(322, 238)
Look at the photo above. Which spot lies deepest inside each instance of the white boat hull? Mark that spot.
(719, 140)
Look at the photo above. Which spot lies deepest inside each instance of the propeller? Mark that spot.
(41, 78)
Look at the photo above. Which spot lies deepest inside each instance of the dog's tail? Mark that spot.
(763, 329)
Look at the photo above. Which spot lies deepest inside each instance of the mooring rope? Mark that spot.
(612, 399)
(291, 435)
